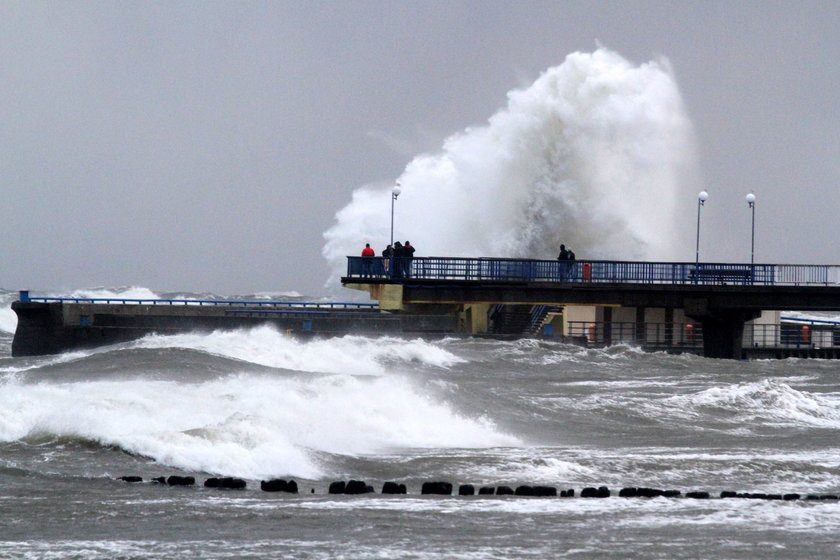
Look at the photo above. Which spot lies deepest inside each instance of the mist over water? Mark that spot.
(594, 154)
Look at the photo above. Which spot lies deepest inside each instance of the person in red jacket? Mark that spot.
(367, 262)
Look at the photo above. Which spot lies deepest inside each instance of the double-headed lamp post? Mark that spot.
(702, 197)
(395, 192)
(751, 202)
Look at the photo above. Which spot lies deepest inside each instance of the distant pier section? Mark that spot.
(50, 325)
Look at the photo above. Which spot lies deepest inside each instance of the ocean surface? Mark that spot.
(258, 404)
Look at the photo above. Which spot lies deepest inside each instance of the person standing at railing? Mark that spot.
(408, 250)
(566, 258)
(387, 254)
(399, 255)
(367, 262)
(564, 254)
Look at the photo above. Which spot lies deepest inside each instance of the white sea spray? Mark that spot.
(596, 154)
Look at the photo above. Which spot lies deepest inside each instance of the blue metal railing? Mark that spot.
(262, 304)
(531, 270)
(665, 335)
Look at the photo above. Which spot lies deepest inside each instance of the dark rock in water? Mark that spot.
(628, 492)
(225, 482)
(292, 487)
(131, 478)
(394, 488)
(774, 496)
(829, 497)
(504, 491)
(274, 485)
(697, 495)
(570, 493)
(649, 492)
(524, 491)
(486, 491)
(466, 490)
(671, 493)
(791, 497)
(441, 488)
(176, 480)
(357, 487)
(539, 491)
(544, 491)
(338, 487)
(590, 492)
(159, 480)
(728, 494)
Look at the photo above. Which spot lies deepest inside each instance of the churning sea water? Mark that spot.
(258, 404)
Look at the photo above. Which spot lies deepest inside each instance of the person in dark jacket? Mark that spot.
(399, 255)
(408, 252)
(563, 257)
(387, 253)
(564, 254)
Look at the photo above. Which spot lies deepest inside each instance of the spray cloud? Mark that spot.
(594, 154)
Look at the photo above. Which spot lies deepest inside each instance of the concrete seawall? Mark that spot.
(52, 327)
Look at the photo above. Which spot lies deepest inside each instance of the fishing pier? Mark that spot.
(674, 306)
(719, 310)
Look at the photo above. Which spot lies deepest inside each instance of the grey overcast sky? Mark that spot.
(206, 146)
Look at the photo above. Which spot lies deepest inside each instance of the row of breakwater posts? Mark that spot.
(359, 487)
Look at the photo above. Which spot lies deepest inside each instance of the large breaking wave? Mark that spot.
(597, 154)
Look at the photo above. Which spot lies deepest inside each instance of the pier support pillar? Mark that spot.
(723, 332)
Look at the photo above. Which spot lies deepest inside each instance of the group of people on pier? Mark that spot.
(565, 254)
(395, 261)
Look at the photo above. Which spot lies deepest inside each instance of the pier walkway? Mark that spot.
(720, 297)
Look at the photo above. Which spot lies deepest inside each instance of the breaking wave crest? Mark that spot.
(571, 159)
(266, 346)
(768, 401)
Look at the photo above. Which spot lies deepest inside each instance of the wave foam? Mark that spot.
(249, 425)
(267, 346)
(571, 159)
(767, 400)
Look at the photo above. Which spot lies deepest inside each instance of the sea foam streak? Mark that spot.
(594, 154)
(267, 346)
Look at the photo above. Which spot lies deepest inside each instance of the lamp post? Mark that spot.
(751, 202)
(702, 197)
(395, 192)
